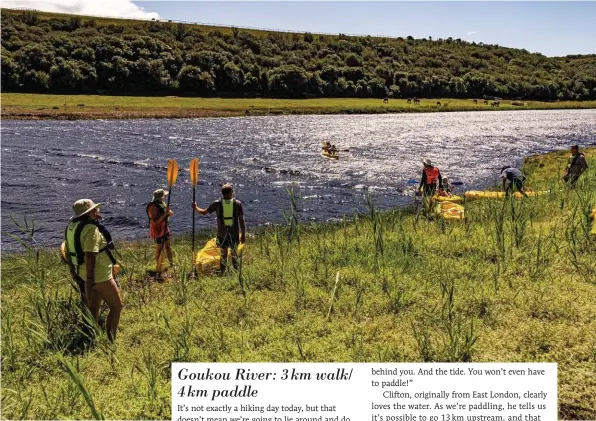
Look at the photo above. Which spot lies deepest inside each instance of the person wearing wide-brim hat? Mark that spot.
(430, 176)
(159, 213)
(88, 245)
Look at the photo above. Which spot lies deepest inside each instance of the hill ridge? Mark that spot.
(57, 53)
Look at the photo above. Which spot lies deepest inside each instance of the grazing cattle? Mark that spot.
(416, 101)
(485, 102)
(409, 100)
(385, 100)
(475, 101)
(438, 103)
(495, 104)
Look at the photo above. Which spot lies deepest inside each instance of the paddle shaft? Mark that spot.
(455, 183)
(194, 190)
(163, 245)
(168, 205)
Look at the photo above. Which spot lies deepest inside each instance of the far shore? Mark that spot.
(90, 107)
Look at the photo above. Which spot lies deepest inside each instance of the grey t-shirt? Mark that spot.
(511, 173)
(222, 230)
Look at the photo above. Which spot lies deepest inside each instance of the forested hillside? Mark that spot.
(53, 53)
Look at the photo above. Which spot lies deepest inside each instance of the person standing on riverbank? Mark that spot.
(159, 215)
(430, 176)
(513, 178)
(576, 165)
(231, 229)
(88, 246)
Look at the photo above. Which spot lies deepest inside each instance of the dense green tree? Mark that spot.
(35, 81)
(353, 60)
(192, 79)
(44, 52)
(288, 81)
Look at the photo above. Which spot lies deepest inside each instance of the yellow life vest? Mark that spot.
(228, 211)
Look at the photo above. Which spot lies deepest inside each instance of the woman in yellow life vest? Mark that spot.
(88, 246)
(231, 229)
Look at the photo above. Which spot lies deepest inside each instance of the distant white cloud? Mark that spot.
(116, 8)
(471, 33)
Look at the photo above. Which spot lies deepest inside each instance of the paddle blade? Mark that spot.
(172, 172)
(194, 171)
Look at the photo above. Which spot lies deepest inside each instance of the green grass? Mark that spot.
(514, 282)
(27, 106)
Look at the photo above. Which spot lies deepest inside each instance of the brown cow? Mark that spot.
(385, 100)
(475, 101)
(438, 103)
(409, 100)
(485, 102)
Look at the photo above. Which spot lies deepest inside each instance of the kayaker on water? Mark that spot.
(328, 147)
(158, 214)
(430, 176)
(231, 229)
(513, 178)
(576, 165)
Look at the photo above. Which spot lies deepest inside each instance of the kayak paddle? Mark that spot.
(194, 178)
(455, 183)
(172, 176)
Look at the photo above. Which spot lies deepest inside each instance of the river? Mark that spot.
(47, 165)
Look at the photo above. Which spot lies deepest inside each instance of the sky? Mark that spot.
(551, 28)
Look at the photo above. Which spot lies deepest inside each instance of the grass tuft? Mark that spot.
(514, 282)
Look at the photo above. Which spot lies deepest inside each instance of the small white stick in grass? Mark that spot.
(333, 296)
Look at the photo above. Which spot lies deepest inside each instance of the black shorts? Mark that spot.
(516, 184)
(162, 239)
(227, 242)
(429, 189)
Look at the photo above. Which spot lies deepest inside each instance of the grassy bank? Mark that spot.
(514, 282)
(73, 107)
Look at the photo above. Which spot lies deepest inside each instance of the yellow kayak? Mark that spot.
(329, 155)
(450, 211)
(477, 194)
(209, 256)
(452, 198)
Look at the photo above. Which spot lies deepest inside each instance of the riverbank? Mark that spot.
(513, 282)
(85, 107)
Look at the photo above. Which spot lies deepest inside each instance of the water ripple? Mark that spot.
(47, 165)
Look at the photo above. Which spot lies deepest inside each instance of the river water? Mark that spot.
(47, 165)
